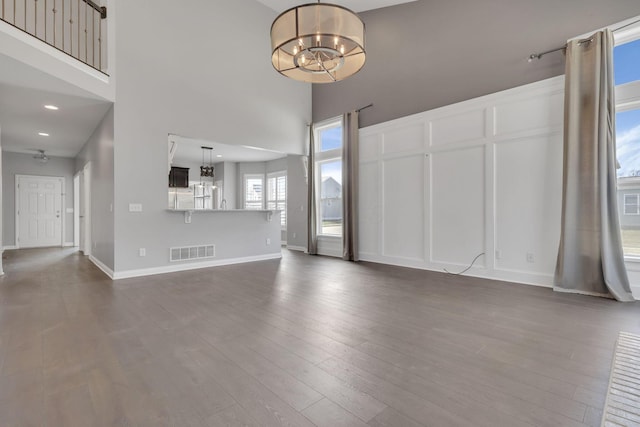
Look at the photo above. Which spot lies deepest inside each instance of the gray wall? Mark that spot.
(193, 70)
(99, 151)
(296, 202)
(427, 54)
(24, 164)
(276, 165)
(1, 214)
(230, 185)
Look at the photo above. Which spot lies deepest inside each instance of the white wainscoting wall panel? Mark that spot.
(458, 205)
(466, 126)
(403, 191)
(369, 221)
(404, 139)
(539, 112)
(482, 176)
(527, 172)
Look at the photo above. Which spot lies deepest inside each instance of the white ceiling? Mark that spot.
(23, 93)
(190, 151)
(355, 5)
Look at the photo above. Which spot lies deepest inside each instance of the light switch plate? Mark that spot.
(135, 207)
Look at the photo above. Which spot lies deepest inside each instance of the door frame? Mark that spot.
(62, 205)
(76, 210)
(85, 200)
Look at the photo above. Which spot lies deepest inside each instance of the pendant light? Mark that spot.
(206, 170)
(318, 43)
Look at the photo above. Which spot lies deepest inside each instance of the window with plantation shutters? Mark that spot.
(277, 194)
(253, 192)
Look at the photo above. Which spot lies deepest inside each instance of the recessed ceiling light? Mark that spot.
(43, 134)
(218, 155)
(50, 107)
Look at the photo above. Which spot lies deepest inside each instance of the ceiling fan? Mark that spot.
(41, 157)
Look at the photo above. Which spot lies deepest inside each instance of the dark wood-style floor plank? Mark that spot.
(299, 341)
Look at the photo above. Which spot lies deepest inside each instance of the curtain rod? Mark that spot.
(541, 54)
(358, 110)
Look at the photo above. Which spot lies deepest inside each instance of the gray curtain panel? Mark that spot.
(312, 226)
(350, 177)
(590, 258)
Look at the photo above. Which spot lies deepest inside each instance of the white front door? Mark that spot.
(39, 211)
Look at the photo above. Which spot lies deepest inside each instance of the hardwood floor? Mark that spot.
(300, 341)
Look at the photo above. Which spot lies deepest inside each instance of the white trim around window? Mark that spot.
(255, 200)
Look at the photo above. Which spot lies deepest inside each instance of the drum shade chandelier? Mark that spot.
(318, 43)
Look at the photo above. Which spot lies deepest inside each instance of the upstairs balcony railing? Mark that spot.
(74, 27)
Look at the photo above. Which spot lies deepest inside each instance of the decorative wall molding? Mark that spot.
(481, 176)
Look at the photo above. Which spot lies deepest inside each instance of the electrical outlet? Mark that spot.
(142, 252)
(294, 235)
(498, 254)
(268, 241)
(530, 257)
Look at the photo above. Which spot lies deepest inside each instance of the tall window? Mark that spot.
(277, 194)
(626, 57)
(253, 194)
(328, 138)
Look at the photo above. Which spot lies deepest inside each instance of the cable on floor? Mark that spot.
(466, 269)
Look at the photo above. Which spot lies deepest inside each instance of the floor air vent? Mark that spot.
(187, 253)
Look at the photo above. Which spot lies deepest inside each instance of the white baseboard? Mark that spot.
(13, 247)
(106, 270)
(191, 266)
(519, 277)
(297, 248)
